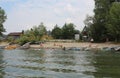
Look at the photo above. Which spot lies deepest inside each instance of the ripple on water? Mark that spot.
(51, 63)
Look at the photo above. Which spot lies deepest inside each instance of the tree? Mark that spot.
(98, 29)
(114, 21)
(39, 31)
(3, 17)
(57, 32)
(42, 29)
(68, 31)
(34, 34)
(88, 23)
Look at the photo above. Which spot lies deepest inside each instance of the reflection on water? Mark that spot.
(1, 65)
(107, 65)
(51, 63)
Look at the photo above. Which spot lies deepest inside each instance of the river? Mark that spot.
(55, 63)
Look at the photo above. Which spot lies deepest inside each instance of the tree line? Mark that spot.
(66, 32)
(40, 33)
(105, 24)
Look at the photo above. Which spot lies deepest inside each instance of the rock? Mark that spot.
(26, 46)
(117, 49)
(87, 49)
(75, 49)
(111, 48)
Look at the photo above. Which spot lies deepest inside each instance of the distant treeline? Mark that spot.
(38, 33)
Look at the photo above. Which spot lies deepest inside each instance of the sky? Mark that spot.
(24, 14)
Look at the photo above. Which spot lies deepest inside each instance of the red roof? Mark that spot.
(15, 34)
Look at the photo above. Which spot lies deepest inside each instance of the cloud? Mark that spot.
(27, 13)
(7, 1)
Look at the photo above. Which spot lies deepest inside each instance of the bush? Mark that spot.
(23, 40)
(10, 39)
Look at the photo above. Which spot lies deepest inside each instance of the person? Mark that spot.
(92, 40)
(41, 45)
(64, 48)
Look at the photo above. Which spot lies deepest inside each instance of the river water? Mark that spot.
(54, 63)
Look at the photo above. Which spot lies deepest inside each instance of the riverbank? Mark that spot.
(4, 43)
(62, 45)
(74, 44)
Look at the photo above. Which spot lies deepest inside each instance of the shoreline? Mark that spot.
(59, 45)
(63, 45)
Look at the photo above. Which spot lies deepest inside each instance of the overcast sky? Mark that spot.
(24, 14)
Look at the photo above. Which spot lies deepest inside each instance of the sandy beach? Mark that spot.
(73, 44)
(4, 43)
(61, 45)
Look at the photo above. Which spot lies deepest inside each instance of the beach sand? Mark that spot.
(73, 44)
(4, 43)
(61, 45)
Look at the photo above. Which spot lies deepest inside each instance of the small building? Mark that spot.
(86, 34)
(77, 37)
(15, 35)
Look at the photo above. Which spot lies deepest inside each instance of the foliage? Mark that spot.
(57, 32)
(10, 39)
(105, 24)
(38, 33)
(23, 39)
(33, 35)
(114, 21)
(98, 24)
(88, 26)
(3, 17)
(40, 30)
(68, 31)
(98, 29)
(46, 37)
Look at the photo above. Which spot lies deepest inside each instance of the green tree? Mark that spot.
(3, 17)
(23, 39)
(39, 31)
(88, 23)
(57, 32)
(42, 29)
(68, 31)
(34, 34)
(99, 26)
(114, 21)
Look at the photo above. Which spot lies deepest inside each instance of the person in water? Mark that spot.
(64, 48)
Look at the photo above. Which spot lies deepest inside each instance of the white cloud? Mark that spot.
(69, 20)
(7, 1)
(24, 15)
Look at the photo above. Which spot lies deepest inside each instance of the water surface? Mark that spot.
(51, 63)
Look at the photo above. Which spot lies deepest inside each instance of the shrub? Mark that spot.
(23, 40)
